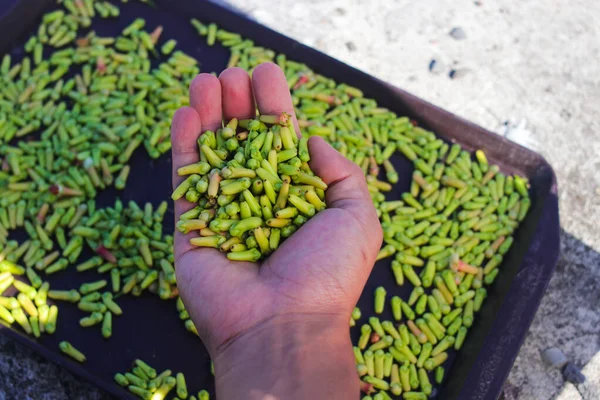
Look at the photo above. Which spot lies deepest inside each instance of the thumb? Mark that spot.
(347, 186)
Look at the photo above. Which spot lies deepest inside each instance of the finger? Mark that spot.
(205, 101)
(205, 98)
(272, 92)
(236, 93)
(185, 129)
(347, 185)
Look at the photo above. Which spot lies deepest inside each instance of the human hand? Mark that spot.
(311, 283)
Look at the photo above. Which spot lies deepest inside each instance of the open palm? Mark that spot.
(319, 271)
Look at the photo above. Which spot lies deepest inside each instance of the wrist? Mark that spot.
(278, 356)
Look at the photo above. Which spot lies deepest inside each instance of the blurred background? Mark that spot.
(527, 70)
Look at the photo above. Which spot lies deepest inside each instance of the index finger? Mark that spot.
(272, 92)
(185, 130)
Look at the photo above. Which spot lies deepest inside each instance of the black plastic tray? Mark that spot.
(150, 328)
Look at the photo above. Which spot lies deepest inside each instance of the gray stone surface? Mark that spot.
(590, 389)
(28, 376)
(568, 318)
(527, 69)
(569, 392)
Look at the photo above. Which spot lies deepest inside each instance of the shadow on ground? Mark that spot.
(24, 372)
(568, 318)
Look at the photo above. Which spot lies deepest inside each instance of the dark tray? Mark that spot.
(153, 331)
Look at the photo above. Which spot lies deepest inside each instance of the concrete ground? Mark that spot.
(527, 69)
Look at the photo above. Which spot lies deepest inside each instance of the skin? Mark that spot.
(277, 329)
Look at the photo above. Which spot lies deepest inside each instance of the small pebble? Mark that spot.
(458, 33)
(457, 73)
(554, 357)
(436, 66)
